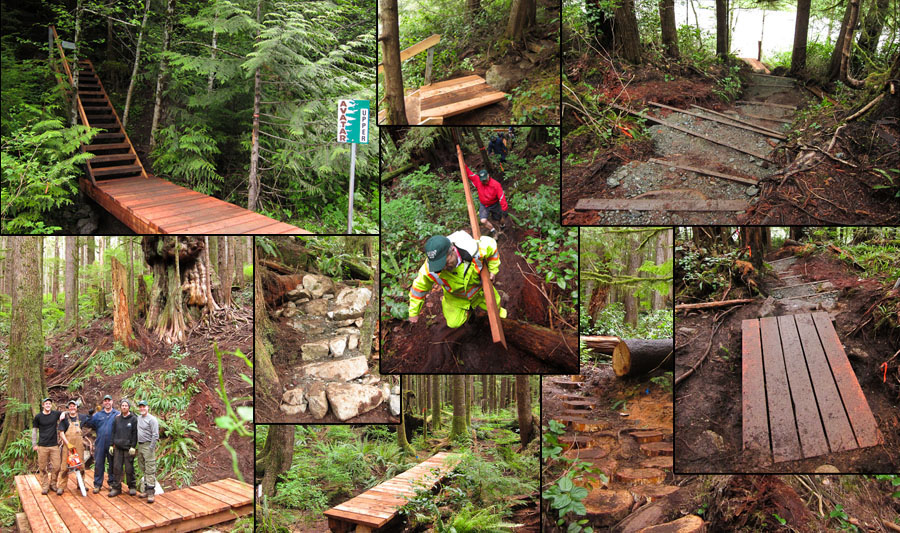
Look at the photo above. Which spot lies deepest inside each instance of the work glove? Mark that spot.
(70, 445)
(110, 450)
(131, 451)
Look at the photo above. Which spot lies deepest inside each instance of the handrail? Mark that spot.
(125, 133)
(65, 62)
(417, 48)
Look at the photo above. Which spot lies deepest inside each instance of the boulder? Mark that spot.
(343, 323)
(317, 285)
(336, 369)
(297, 293)
(368, 379)
(292, 305)
(358, 322)
(293, 397)
(293, 410)
(354, 298)
(395, 390)
(313, 351)
(316, 307)
(318, 401)
(395, 405)
(504, 77)
(347, 331)
(308, 326)
(348, 400)
(344, 313)
(290, 312)
(385, 389)
(353, 342)
(338, 345)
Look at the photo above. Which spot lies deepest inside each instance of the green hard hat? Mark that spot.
(483, 174)
(436, 249)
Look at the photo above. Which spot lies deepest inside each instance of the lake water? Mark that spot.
(777, 33)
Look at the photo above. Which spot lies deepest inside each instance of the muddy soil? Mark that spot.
(429, 346)
(708, 404)
(213, 460)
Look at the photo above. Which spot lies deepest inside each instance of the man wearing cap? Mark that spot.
(124, 440)
(491, 200)
(455, 263)
(147, 437)
(102, 422)
(498, 146)
(44, 442)
(70, 432)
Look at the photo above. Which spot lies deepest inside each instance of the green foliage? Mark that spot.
(186, 154)
(176, 449)
(471, 520)
(236, 420)
(555, 259)
(164, 391)
(564, 496)
(15, 461)
(664, 382)
(818, 59)
(728, 87)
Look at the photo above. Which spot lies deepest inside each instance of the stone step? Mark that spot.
(802, 289)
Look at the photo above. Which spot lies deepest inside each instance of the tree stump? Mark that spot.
(586, 424)
(653, 492)
(579, 404)
(589, 454)
(655, 449)
(686, 524)
(606, 508)
(641, 476)
(569, 442)
(592, 481)
(646, 436)
(663, 462)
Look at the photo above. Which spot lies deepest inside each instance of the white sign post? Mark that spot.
(353, 128)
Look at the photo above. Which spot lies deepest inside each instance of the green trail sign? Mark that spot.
(353, 121)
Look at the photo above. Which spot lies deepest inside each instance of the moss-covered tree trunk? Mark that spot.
(470, 398)
(458, 427)
(523, 406)
(71, 282)
(177, 266)
(226, 274)
(268, 386)
(401, 430)
(435, 402)
(276, 457)
(122, 330)
(25, 383)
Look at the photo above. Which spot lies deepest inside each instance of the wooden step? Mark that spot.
(685, 524)
(589, 454)
(126, 170)
(108, 137)
(641, 476)
(97, 111)
(606, 508)
(98, 161)
(645, 436)
(580, 442)
(95, 148)
(653, 492)
(569, 384)
(580, 404)
(654, 449)
(663, 462)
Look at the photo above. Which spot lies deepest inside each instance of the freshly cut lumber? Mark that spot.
(585, 404)
(663, 462)
(706, 172)
(577, 377)
(653, 492)
(641, 476)
(655, 512)
(635, 357)
(654, 449)
(760, 129)
(685, 524)
(649, 204)
(647, 436)
(589, 454)
(601, 343)
(708, 305)
(575, 441)
(762, 117)
(732, 123)
(417, 48)
(755, 102)
(586, 424)
(606, 508)
(548, 345)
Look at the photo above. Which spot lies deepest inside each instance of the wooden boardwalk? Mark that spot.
(188, 509)
(431, 104)
(800, 396)
(117, 180)
(377, 506)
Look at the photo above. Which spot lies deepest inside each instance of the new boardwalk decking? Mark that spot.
(116, 178)
(800, 396)
(186, 509)
(377, 506)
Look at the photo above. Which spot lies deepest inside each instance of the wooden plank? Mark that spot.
(88, 521)
(649, 204)
(260, 224)
(185, 221)
(761, 117)
(183, 512)
(174, 498)
(101, 515)
(172, 196)
(356, 518)
(755, 102)
(203, 522)
(164, 215)
(214, 505)
(216, 220)
(706, 172)
(861, 418)
(770, 132)
(36, 519)
(149, 511)
(430, 92)
(57, 520)
(117, 210)
(809, 426)
(244, 493)
(461, 107)
(453, 97)
(692, 133)
(420, 46)
(116, 171)
(837, 426)
(223, 495)
(122, 512)
(754, 413)
(449, 83)
(105, 147)
(731, 123)
(369, 510)
(783, 427)
(110, 158)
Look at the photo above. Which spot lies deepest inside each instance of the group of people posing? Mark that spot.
(120, 437)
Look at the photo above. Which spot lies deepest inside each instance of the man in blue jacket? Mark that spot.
(102, 422)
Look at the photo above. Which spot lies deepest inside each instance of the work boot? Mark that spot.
(59, 492)
(45, 491)
(113, 493)
(142, 494)
(96, 490)
(132, 492)
(150, 493)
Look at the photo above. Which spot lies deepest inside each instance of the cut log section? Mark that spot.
(569, 442)
(584, 404)
(606, 508)
(663, 462)
(641, 476)
(653, 492)
(550, 346)
(577, 377)
(635, 357)
(592, 481)
(587, 424)
(686, 524)
(569, 384)
(589, 455)
(601, 343)
(647, 436)
(655, 449)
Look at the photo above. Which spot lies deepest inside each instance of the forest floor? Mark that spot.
(708, 404)
(623, 169)
(213, 461)
(522, 293)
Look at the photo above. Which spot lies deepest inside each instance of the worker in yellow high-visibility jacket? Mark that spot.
(455, 263)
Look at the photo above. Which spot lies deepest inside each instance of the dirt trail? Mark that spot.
(768, 102)
(429, 346)
(708, 404)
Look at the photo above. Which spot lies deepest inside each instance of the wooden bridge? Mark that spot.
(800, 396)
(188, 509)
(433, 102)
(375, 508)
(116, 178)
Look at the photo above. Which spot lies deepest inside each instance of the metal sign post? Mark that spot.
(353, 128)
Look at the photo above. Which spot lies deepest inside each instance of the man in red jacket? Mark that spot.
(491, 198)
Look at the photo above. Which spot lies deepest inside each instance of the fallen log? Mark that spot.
(685, 524)
(708, 305)
(277, 267)
(388, 176)
(841, 252)
(548, 345)
(634, 357)
(601, 343)
(276, 286)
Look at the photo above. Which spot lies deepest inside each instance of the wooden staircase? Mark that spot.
(115, 155)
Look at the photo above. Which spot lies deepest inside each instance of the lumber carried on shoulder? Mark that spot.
(551, 346)
(634, 357)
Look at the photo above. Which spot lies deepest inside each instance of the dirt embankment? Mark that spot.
(708, 404)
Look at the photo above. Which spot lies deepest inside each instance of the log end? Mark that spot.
(655, 449)
(648, 436)
(621, 359)
(641, 476)
(607, 507)
(663, 462)
(685, 524)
